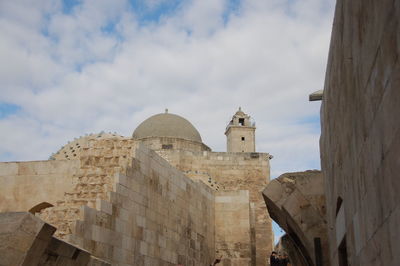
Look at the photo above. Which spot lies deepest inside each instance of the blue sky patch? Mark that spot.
(69, 5)
(233, 7)
(278, 231)
(148, 14)
(313, 121)
(7, 109)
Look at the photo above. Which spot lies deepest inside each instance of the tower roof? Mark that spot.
(167, 125)
(240, 112)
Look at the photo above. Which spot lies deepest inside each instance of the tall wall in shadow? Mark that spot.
(360, 142)
(296, 202)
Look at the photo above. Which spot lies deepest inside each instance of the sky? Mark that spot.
(74, 67)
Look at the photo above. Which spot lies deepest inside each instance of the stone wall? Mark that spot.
(126, 205)
(27, 240)
(99, 161)
(240, 139)
(288, 247)
(296, 202)
(159, 143)
(155, 215)
(25, 185)
(360, 142)
(232, 218)
(231, 172)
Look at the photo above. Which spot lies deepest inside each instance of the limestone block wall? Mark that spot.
(126, 205)
(167, 143)
(154, 216)
(240, 139)
(99, 160)
(230, 172)
(232, 219)
(27, 184)
(296, 202)
(27, 240)
(360, 142)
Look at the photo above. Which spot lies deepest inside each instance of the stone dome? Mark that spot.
(167, 125)
(72, 150)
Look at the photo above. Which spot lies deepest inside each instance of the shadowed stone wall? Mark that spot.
(360, 142)
(286, 246)
(27, 240)
(296, 202)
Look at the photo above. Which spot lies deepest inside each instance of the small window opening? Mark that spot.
(241, 121)
(167, 146)
(242, 138)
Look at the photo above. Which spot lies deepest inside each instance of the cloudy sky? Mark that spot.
(83, 66)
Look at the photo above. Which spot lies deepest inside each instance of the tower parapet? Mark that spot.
(240, 133)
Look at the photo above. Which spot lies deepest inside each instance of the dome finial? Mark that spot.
(166, 110)
(240, 108)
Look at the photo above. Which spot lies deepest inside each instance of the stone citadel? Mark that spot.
(167, 199)
(160, 197)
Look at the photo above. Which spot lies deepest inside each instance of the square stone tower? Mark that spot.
(240, 133)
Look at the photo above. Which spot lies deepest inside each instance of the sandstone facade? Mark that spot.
(148, 201)
(145, 213)
(27, 240)
(233, 171)
(360, 141)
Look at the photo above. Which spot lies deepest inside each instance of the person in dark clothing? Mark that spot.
(284, 260)
(273, 259)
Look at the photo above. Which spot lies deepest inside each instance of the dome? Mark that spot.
(72, 150)
(167, 125)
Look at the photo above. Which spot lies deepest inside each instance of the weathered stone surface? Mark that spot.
(287, 246)
(32, 183)
(240, 133)
(127, 205)
(232, 220)
(360, 132)
(296, 202)
(229, 172)
(27, 240)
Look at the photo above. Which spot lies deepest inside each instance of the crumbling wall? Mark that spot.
(99, 160)
(127, 206)
(360, 142)
(154, 215)
(27, 240)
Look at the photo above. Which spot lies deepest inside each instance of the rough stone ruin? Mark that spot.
(160, 197)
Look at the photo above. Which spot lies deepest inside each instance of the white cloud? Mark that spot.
(71, 76)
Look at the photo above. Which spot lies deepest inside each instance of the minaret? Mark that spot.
(240, 133)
